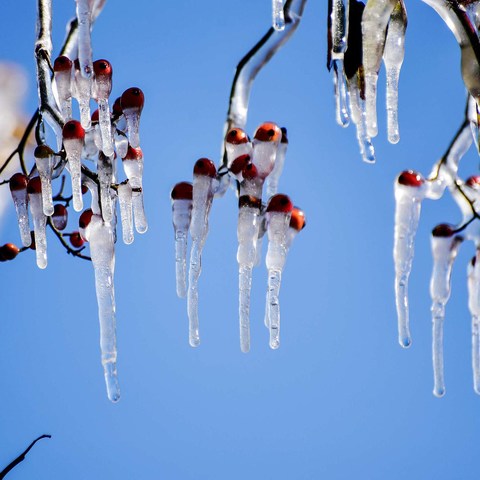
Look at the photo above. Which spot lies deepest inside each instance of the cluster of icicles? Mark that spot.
(250, 165)
(359, 37)
(95, 140)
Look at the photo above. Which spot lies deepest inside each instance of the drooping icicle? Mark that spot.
(409, 192)
(133, 167)
(278, 18)
(265, 144)
(105, 178)
(73, 141)
(121, 143)
(340, 89)
(94, 192)
(247, 234)
(125, 200)
(18, 189)
(374, 26)
(102, 89)
(45, 161)
(274, 177)
(34, 190)
(62, 68)
(132, 101)
(393, 59)
(474, 307)
(181, 196)
(84, 17)
(444, 250)
(279, 212)
(103, 259)
(82, 92)
(204, 173)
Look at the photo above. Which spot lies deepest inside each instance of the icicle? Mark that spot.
(444, 251)
(237, 144)
(279, 212)
(103, 259)
(121, 143)
(133, 166)
(273, 178)
(34, 190)
(62, 68)
(409, 192)
(60, 217)
(73, 141)
(339, 83)
(102, 89)
(84, 17)
(204, 173)
(474, 307)
(374, 26)
(265, 144)
(181, 196)
(18, 189)
(105, 176)
(132, 105)
(82, 91)
(125, 200)
(45, 161)
(278, 18)
(93, 188)
(247, 233)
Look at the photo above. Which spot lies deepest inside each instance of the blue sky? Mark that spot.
(339, 399)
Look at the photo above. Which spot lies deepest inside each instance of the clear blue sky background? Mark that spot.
(340, 399)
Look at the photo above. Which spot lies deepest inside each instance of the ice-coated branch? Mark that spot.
(249, 66)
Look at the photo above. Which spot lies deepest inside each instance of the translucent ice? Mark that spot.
(105, 177)
(274, 177)
(278, 19)
(474, 307)
(45, 161)
(84, 17)
(126, 216)
(18, 189)
(39, 220)
(73, 141)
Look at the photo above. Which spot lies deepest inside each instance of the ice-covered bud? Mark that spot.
(410, 178)
(73, 131)
(95, 117)
(237, 144)
(84, 222)
(8, 252)
(297, 220)
(45, 162)
(443, 230)
(73, 141)
(60, 216)
(62, 64)
(34, 189)
(82, 91)
(250, 201)
(132, 101)
(236, 136)
(182, 191)
(239, 164)
(473, 181)
(252, 183)
(101, 91)
(103, 78)
(34, 186)
(117, 108)
(205, 167)
(76, 240)
(18, 189)
(280, 203)
(18, 182)
(265, 143)
(62, 68)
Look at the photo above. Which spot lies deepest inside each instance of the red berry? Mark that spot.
(133, 153)
(62, 64)
(297, 220)
(34, 185)
(85, 218)
(73, 130)
(182, 191)
(443, 230)
(236, 136)
(60, 216)
(473, 181)
(280, 203)
(268, 132)
(249, 201)
(102, 68)
(205, 167)
(132, 98)
(284, 135)
(76, 240)
(250, 172)
(84, 189)
(8, 252)
(43, 151)
(410, 178)
(18, 182)
(239, 164)
(95, 116)
(117, 107)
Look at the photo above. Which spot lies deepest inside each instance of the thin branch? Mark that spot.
(21, 457)
(70, 250)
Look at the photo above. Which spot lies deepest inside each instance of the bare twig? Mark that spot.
(70, 250)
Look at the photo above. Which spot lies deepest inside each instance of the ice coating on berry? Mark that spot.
(76, 240)
(43, 151)
(443, 230)
(102, 68)
(473, 181)
(85, 218)
(132, 98)
(62, 64)
(240, 163)
(280, 203)
(249, 201)
(236, 136)
(297, 220)
(410, 178)
(182, 191)
(268, 132)
(95, 116)
(73, 130)
(60, 216)
(133, 153)
(205, 167)
(34, 185)
(18, 181)
(117, 107)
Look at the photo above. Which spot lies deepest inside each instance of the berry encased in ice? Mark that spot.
(76, 240)
(280, 203)
(34, 185)
(474, 181)
(443, 230)
(85, 218)
(284, 135)
(8, 252)
(182, 191)
(18, 181)
(95, 116)
(60, 216)
(250, 172)
(249, 201)
(102, 68)
(205, 167)
(133, 153)
(297, 220)
(268, 132)
(73, 130)
(117, 108)
(240, 163)
(43, 151)
(410, 178)
(236, 136)
(62, 64)
(132, 98)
